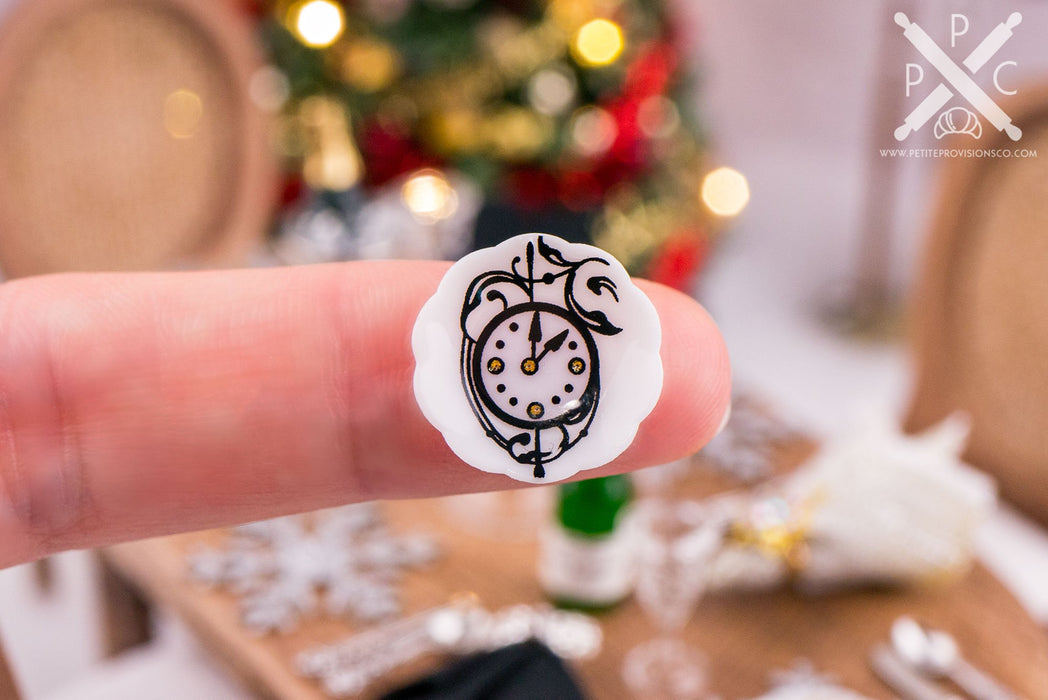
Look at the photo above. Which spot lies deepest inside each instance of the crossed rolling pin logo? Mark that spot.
(958, 81)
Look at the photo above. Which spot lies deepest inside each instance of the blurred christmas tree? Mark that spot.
(426, 127)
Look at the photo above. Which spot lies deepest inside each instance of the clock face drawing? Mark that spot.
(556, 364)
(531, 363)
(534, 367)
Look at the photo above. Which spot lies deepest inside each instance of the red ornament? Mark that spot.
(532, 188)
(388, 155)
(628, 148)
(679, 260)
(650, 73)
(291, 189)
(611, 172)
(580, 190)
(255, 9)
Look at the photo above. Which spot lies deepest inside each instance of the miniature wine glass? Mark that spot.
(676, 541)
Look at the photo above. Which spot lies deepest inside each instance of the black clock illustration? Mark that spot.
(530, 360)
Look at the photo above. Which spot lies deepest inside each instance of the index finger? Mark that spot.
(133, 405)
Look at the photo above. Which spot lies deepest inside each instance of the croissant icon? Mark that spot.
(958, 120)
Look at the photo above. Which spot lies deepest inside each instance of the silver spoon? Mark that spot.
(935, 653)
(903, 678)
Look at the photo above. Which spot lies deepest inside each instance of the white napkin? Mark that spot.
(875, 506)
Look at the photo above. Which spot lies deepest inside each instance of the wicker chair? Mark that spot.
(980, 308)
(128, 139)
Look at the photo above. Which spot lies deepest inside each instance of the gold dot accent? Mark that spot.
(495, 365)
(535, 410)
(577, 366)
(529, 366)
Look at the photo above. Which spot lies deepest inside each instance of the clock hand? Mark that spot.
(553, 344)
(535, 333)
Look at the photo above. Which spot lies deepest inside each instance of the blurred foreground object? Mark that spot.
(874, 507)
(127, 137)
(980, 308)
(346, 667)
(748, 447)
(745, 636)
(566, 116)
(282, 568)
(676, 539)
(525, 670)
(802, 682)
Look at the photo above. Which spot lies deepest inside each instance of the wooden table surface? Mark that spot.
(745, 636)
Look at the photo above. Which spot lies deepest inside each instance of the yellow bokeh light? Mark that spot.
(725, 191)
(332, 161)
(517, 133)
(569, 15)
(599, 42)
(429, 196)
(370, 65)
(318, 23)
(182, 112)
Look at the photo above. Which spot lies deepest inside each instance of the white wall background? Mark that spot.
(787, 94)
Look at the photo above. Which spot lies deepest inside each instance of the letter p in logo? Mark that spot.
(913, 69)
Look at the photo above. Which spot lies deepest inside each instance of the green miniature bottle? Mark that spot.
(586, 554)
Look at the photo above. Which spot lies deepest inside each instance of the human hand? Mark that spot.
(135, 405)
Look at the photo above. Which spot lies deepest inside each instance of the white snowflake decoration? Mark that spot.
(283, 568)
(746, 447)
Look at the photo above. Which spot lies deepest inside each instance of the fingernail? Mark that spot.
(725, 419)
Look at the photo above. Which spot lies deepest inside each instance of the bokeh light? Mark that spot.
(429, 196)
(269, 88)
(658, 117)
(318, 23)
(332, 161)
(551, 91)
(593, 131)
(725, 191)
(517, 133)
(182, 111)
(599, 42)
(370, 65)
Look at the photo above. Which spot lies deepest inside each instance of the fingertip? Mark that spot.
(696, 390)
